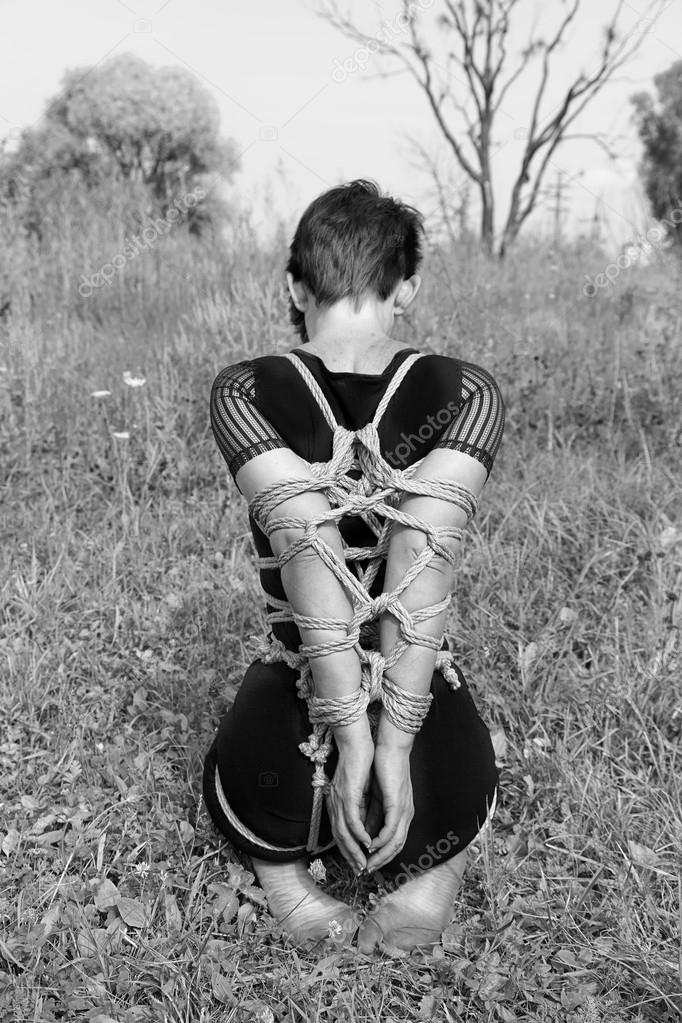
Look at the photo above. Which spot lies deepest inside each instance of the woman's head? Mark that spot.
(352, 242)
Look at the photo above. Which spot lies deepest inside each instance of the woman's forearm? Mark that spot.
(313, 590)
(414, 669)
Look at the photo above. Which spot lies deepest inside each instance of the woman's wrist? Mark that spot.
(349, 736)
(389, 736)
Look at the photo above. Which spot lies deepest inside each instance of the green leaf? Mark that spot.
(173, 914)
(642, 855)
(246, 917)
(566, 956)
(133, 912)
(427, 1006)
(106, 894)
(222, 989)
(10, 842)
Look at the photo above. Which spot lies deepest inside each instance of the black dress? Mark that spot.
(257, 783)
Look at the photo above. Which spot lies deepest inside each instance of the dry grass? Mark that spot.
(130, 610)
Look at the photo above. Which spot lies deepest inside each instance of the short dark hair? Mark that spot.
(353, 240)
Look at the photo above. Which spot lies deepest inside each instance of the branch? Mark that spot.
(445, 208)
(426, 84)
(598, 140)
(581, 91)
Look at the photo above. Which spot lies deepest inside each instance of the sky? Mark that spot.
(305, 116)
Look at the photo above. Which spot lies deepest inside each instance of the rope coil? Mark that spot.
(374, 497)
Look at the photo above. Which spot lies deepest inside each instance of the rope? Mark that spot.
(374, 497)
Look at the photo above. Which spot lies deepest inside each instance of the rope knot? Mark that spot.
(378, 605)
(373, 673)
(316, 748)
(321, 781)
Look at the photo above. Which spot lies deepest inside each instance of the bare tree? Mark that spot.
(476, 37)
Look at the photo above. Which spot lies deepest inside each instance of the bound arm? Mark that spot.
(258, 458)
(414, 669)
(312, 588)
(465, 457)
(314, 591)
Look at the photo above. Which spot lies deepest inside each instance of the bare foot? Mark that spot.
(418, 912)
(305, 912)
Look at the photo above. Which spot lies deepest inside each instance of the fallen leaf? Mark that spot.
(222, 989)
(173, 915)
(566, 956)
(225, 903)
(10, 842)
(527, 656)
(499, 741)
(246, 917)
(260, 1012)
(133, 912)
(426, 1006)
(50, 920)
(106, 894)
(49, 838)
(669, 537)
(186, 831)
(92, 942)
(30, 803)
(642, 855)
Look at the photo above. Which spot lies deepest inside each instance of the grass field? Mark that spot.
(130, 609)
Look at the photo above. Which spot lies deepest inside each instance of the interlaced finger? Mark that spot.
(392, 847)
(347, 844)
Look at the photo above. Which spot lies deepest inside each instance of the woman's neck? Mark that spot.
(368, 354)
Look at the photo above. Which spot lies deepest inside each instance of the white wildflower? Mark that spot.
(318, 871)
(335, 929)
(100, 394)
(132, 381)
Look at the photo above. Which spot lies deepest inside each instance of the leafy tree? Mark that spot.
(155, 127)
(659, 122)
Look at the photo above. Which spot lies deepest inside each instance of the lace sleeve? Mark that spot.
(477, 426)
(239, 426)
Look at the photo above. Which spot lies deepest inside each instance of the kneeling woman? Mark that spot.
(361, 459)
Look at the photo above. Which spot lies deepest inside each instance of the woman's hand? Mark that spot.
(394, 789)
(349, 789)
